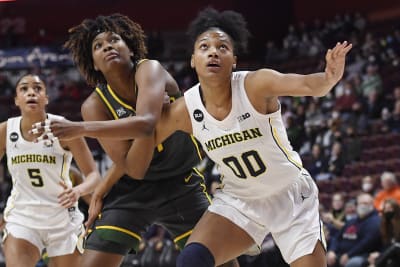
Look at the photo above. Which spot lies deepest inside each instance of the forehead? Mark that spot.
(30, 79)
(337, 198)
(214, 33)
(103, 35)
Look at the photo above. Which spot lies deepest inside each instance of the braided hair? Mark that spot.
(230, 22)
(82, 35)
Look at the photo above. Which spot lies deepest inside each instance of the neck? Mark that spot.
(122, 82)
(28, 120)
(217, 93)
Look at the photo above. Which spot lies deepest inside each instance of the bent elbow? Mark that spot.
(148, 126)
(134, 173)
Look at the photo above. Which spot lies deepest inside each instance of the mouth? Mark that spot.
(213, 64)
(111, 56)
(213, 67)
(31, 101)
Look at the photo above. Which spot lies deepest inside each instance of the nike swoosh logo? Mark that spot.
(187, 179)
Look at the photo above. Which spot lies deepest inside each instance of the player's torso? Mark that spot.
(175, 156)
(251, 149)
(37, 170)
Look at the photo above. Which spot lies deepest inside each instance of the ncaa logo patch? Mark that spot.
(14, 137)
(198, 115)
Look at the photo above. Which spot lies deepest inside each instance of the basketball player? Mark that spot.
(264, 187)
(42, 210)
(170, 193)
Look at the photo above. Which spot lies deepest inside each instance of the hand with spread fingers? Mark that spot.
(69, 196)
(51, 130)
(335, 61)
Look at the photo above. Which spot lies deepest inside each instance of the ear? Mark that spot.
(192, 62)
(16, 102)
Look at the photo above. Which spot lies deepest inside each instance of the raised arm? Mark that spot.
(269, 83)
(152, 80)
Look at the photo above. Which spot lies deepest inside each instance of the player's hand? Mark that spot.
(69, 196)
(96, 204)
(335, 61)
(57, 129)
(166, 100)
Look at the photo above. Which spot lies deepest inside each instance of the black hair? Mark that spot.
(229, 21)
(82, 35)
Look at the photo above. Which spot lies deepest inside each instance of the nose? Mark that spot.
(107, 46)
(212, 52)
(31, 91)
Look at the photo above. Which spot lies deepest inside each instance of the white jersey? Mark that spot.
(252, 149)
(36, 171)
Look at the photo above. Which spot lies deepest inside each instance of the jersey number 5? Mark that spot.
(252, 161)
(36, 178)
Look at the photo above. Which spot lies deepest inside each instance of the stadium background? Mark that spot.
(354, 142)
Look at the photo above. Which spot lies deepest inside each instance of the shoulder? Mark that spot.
(261, 75)
(151, 71)
(147, 65)
(3, 128)
(93, 108)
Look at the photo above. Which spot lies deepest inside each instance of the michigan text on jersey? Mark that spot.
(233, 138)
(36, 158)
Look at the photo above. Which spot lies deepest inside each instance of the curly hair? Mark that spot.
(82, 35)
(230, 22)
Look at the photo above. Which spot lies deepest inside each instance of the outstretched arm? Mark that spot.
(152, 80)
(269, 83)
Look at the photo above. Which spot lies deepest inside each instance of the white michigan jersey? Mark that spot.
(252, 149)
(36, 170)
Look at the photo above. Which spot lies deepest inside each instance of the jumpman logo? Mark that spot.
(204, 127)
(303, 197)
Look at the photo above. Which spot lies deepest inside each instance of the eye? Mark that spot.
(115, 39)
(203, 46)
(38, 88)
(96, 46)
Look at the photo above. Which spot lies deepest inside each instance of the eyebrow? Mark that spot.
(35, 83)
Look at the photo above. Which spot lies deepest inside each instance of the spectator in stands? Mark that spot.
(367, 185)
(317, 164)
(351, 145)
(393, 122)
(345, 102)
(390, 189)
(371, 81)
(390, 232)
(335, 218)
(336, 160)
(350, 210)
(357, 238)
